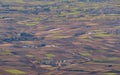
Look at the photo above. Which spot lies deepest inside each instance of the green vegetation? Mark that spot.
(56, 32)
(86, 54)
(117, 27)
(15, 71)
(29, 56)
(104, 59)
(31, 24)
(28, 23)
(49, 55)
(110, 74)
(1, 17)
(5, 52)
(102, 34)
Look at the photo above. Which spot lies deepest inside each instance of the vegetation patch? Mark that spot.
(102, 34)
(110, 74)
(5, 52)
(15, 71)
(59, 37)
(31, 24)
(50, 55)
(85, 54)
(27, 23)
(29, 56)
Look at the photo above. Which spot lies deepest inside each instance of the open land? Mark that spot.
(59, 37)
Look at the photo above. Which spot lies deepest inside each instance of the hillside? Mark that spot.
(59, 37)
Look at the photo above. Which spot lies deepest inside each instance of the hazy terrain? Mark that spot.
(59, 37)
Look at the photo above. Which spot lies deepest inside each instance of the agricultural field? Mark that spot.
(59, 37)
